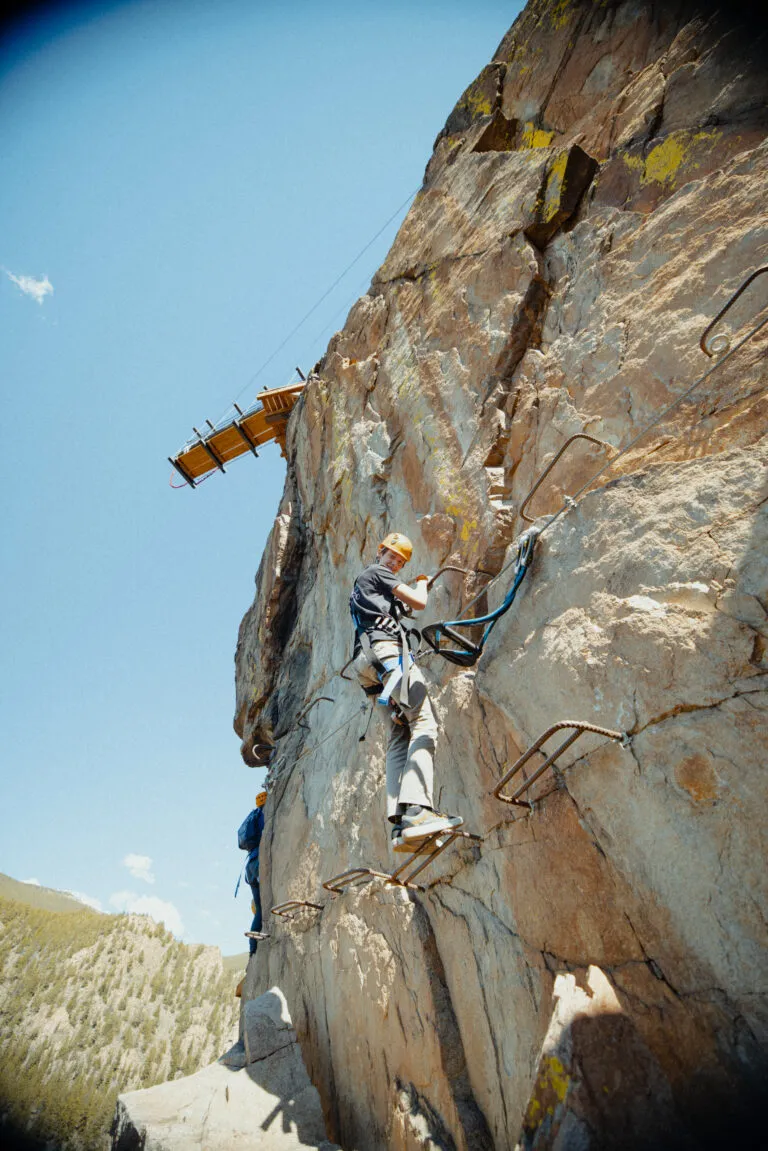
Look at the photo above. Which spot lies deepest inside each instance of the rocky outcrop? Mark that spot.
(592, 973)
(258, 1095)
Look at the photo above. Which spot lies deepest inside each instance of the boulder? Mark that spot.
(259, 1096)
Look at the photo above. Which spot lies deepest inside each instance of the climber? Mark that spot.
(384, 667)
(248, 839)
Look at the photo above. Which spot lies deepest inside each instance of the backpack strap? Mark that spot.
(239, 878)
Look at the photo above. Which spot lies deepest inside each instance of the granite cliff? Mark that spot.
(592, 972)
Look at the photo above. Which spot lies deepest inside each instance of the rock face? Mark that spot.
(258, 1095)
(592, 974)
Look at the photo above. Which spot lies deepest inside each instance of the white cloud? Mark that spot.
(30, 286)
(140, 867)
(88, 900)
(159, 909)
(34, 882)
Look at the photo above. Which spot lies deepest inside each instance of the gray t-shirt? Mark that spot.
(373, 604)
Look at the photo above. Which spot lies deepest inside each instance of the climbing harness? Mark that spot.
(577, 727)
(396, 669)
(465, 653)
(430, 584)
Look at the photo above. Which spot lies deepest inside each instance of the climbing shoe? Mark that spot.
(411, 846)
(418, 822)
(398, 843)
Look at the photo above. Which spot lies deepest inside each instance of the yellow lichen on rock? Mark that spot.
(560, 14)
(533, 137)
(665, 160)
(555, 187)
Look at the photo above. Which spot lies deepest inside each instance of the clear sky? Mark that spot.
(182, 180)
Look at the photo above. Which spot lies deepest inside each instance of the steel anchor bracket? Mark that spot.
(426, 854)
(353, 877)
(716, 345)
(301, 718)
(291, 906)
(427, 851)
(578, 727)
(551, 464)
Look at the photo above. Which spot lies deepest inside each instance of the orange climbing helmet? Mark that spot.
(399, 544)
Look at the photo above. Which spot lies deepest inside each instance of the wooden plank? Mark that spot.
(228, 444)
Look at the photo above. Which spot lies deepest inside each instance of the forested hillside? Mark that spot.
(94, 1004)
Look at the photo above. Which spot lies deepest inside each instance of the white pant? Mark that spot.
(411, 747)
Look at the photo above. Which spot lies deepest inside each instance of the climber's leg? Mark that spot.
(417, 783)
(397, 757)
(256, 922)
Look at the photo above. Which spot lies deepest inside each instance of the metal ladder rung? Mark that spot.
(286, 910)
(354, 876)
(579, 728)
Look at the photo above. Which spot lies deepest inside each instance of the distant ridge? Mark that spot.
(44, 898)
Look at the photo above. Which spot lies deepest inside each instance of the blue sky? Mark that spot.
(181, 183)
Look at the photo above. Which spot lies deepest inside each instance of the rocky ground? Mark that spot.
(258, 1095)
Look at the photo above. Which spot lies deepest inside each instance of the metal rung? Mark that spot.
(716, 345)
(351, 878)
(256, 935)
(578, 726)
(427, 853)
(553, 461)
(284, 909)
(300, 720)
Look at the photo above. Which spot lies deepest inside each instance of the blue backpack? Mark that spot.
(249, 832)
(248, 839)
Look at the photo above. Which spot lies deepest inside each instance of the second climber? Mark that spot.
(384, 667)
(249, 839)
